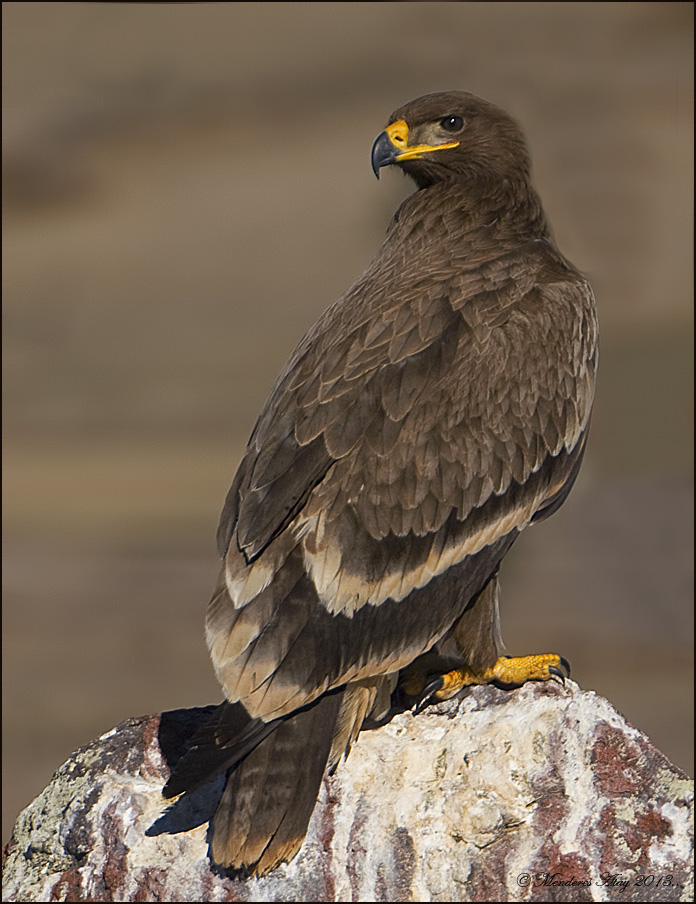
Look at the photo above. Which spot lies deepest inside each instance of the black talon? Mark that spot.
(424, 697)
(556, 673)
(561, 671)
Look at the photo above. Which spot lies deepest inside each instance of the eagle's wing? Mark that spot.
(420, 425)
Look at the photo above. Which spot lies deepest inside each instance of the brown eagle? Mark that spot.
(431, 413)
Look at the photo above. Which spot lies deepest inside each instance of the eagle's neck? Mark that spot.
(488, 218)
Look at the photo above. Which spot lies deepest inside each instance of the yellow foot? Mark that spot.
(507, 671)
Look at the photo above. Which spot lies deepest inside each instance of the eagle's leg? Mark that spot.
(470, 654)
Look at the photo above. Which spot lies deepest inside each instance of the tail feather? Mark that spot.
(274, 771)
(268, 801)
(220, 743)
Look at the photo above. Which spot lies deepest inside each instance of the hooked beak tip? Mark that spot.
(383, 153)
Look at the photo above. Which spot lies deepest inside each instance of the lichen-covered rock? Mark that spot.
(539, 794)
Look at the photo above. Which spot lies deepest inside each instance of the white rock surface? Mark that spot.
(542, 793)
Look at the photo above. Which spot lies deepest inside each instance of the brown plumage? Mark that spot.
(429, 415)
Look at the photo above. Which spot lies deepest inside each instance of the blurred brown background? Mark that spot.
(186, 187)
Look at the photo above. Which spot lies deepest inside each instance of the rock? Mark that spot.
(544, 793)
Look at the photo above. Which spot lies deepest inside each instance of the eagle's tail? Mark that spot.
(267, 803)
(275, 771)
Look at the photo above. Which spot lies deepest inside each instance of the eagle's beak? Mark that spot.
(391, 146)
(383, 153)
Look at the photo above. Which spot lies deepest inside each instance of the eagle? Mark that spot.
(435, 410)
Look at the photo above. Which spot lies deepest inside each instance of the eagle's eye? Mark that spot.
(452, 123)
